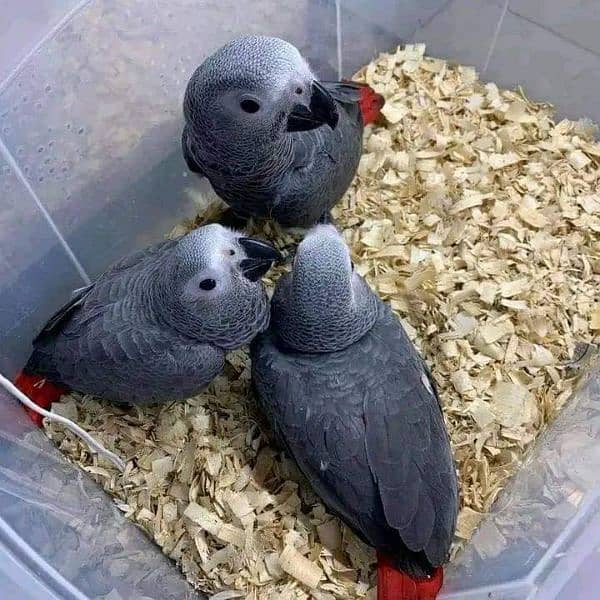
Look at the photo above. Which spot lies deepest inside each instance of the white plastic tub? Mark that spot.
(91, 168)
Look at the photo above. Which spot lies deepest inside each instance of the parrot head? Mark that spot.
(323, 305)
(214, 292)
(256, 87)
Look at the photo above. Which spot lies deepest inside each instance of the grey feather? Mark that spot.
(145, 331)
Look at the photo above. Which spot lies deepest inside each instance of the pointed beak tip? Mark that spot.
(256, 248)
(260, 258)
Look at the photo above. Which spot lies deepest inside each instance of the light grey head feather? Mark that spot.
(323, 305)
(241, 95)
(203, 293)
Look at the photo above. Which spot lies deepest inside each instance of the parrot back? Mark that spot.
(366, 428)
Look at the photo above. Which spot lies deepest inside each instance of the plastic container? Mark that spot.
(90, 168)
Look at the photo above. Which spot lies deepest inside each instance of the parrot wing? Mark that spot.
(321, 426)
(94, 291)
(124, 361)
(407, 444)
(63, 313)
(346, 92)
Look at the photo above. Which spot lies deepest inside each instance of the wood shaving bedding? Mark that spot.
(477, 217)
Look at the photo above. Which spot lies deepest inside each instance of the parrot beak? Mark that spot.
(261, 257)
(322, 110)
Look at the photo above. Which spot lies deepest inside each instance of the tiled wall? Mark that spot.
(549, 47)
(90, 166)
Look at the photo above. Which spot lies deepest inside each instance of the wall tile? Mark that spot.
(577, 20)
(548, 68)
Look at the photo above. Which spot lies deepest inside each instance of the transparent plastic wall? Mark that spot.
(90, 168)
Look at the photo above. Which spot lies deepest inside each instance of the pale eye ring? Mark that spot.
(207, 284)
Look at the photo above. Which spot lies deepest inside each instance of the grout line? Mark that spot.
(495, 38)
(338, 33)
(70, 14)
(8, 157)
(563, 37)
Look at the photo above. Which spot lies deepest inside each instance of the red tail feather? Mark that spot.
(40, 390)
(395, 585)
(371, 104)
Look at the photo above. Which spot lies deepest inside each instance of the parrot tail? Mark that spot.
(40, 390)
(371, 104)
(393, 584)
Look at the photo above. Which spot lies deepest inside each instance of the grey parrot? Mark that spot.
(157, 324)
(350, 399)
(273, 140)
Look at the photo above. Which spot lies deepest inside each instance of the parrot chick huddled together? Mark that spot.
(273, 140)
(157, 324)
(351, 400)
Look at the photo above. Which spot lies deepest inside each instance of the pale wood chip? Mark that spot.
(578, 159)
(330, 534)
(299, 567)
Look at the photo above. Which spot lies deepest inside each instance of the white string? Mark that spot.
(93, 445)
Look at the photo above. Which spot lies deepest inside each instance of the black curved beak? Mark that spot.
(261, 257)
(322, 110)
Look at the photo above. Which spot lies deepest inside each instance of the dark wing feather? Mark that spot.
(320, 426)
(133, 362)
(57, 320)
(346, 92)
(408, 446)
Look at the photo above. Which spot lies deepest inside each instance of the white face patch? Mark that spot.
(427, 383)
(323, 465)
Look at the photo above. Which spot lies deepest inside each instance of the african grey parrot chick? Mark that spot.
(273, 140)
(156, 326)
(354, 404)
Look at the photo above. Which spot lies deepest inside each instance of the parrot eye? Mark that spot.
(299, 90)
(207, 284)
(249, 106)
(231, 252)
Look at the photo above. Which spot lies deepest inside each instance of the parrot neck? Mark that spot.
(329, 321)
(257, 154)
